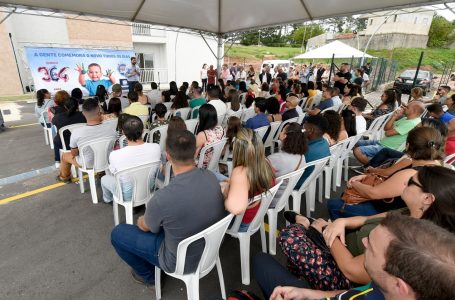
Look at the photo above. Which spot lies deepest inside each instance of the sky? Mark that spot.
(446, 13)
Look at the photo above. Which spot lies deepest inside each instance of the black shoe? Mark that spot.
(138, 279)
(290, 216)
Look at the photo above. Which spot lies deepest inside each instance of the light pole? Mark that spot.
(371, 37)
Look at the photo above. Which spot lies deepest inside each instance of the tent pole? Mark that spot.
(331, 67)
(219, 54)
(417, 73)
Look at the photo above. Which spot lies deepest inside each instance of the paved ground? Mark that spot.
(56, 243)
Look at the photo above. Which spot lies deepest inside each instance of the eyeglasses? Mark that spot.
(411, 181)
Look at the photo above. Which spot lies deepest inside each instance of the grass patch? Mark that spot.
(434, 58)
(17, 97)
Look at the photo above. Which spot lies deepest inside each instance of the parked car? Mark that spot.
(405, 80)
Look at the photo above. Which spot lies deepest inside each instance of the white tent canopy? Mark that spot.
(341, 50)
(217, 16)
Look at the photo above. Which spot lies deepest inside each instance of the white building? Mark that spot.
(175, 56)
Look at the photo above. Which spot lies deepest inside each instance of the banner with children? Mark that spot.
(57, 69)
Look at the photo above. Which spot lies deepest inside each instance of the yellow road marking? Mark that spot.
(25, 125)
(266, 227)
(31, 193)
(37, 191)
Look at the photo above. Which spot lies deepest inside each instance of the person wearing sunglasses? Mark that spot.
(429, 194)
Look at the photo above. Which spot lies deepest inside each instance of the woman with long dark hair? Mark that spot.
(387, 105)
(173, 89)
(72, 115)
(208, 130)
(43, 102)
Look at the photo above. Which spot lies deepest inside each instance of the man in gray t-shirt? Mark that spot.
(190, 203)
(94, 129)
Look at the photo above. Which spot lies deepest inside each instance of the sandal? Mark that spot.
(63, 180)
(290, 216)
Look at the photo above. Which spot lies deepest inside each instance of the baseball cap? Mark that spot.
(116, 88)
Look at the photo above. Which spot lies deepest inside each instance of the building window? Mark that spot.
(145, 60)
(425, 21)
(394, 18)
(371, 21)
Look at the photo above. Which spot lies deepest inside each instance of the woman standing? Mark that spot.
(203, 74)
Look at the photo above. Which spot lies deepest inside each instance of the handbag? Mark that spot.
(352, 196)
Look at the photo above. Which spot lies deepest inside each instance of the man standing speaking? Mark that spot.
(133, 74)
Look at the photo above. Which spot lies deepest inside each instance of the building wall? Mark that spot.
(9, 77)
(412, 23)
(388, 41)
(99, 34)
(186, 53)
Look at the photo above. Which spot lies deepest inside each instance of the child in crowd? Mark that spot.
(160, 112)
(95, 74)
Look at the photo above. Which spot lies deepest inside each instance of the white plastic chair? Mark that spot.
(309, 186)
(191, 125)
(344, 159)
(261, 131)
(217, 148)
(168, 105)
(274, 126)
(227, 160)
(300, 118)
(255, 225)
(140, 178)
(450, 159)
(182, 113)
(276, 139)
(272, 213)
(48, 137)
(213, 237)
(70, 128)
(163, 135)
(335, 152)
(373, 131)
(101, 149)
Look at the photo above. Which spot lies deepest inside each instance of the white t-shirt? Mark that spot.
(299, 110)
(219, 105)
(131, 156)
(360, 124)
(89, 133)
(155, 97)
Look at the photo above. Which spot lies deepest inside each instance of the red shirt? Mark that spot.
(211, 75)
(250, 213)
(450, 146)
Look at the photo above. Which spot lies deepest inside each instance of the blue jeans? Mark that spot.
(383, 156)
(138, 249)
(338, 209)
(369, 148)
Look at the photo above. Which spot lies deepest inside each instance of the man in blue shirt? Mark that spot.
(260, 119)
(400, 265)
(133, 74)
(436, 111)
(326, 102)
(318, 148)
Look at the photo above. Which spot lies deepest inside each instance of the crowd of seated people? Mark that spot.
(325, 258)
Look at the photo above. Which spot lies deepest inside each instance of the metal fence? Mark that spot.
(158, 75)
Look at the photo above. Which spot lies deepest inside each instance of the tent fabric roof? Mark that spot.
(217, 16)
(341, 50)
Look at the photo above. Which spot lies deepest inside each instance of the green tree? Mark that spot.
(304, 33)
(441, 32)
